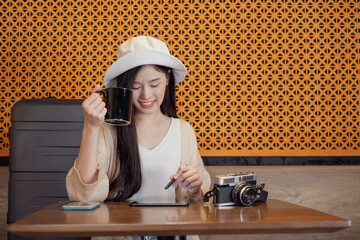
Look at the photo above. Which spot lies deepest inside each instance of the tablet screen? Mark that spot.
(159, 202)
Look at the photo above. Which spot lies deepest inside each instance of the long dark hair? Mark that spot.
(128, 182)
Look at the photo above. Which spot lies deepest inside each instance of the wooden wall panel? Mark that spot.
(266, 77)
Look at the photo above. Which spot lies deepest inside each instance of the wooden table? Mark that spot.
(198, 218)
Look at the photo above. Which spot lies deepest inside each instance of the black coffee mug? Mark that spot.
(118, 103)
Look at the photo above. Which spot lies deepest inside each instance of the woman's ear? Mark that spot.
(168, 76)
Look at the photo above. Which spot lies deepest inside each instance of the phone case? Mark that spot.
(81, 206)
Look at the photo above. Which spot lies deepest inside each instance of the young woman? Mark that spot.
(138, 160)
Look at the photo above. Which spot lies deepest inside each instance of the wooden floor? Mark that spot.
(331, 189)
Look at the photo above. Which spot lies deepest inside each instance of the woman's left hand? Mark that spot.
(188, 177)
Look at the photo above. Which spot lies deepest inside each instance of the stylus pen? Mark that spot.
(170, 183)
(172, 180)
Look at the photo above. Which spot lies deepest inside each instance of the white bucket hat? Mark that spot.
(143, 50)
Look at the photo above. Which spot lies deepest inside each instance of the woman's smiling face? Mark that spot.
(149, 89)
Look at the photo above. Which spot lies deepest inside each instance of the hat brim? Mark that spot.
(140, 58)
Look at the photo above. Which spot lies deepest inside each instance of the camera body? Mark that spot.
(237, 189)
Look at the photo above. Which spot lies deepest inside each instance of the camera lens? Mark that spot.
(243, 194)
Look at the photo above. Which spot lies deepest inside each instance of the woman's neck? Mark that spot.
(151, 130)
(144, 119)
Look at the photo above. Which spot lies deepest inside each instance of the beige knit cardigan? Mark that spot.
(107, 155)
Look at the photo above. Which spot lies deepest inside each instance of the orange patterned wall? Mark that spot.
(266, 78)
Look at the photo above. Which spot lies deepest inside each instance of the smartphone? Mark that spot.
(81, 206)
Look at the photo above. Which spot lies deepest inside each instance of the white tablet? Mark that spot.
(158, 202)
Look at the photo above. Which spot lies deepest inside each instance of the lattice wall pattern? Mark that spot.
(266, 77)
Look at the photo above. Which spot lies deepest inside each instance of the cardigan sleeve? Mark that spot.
(107, 154)
(99, 190)
(190, 155)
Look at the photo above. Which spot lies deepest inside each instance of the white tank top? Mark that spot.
(159, 163)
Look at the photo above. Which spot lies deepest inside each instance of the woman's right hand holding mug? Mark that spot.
(94, 115)
(94, 109)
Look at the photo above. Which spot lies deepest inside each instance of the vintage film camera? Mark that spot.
(236, 189)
